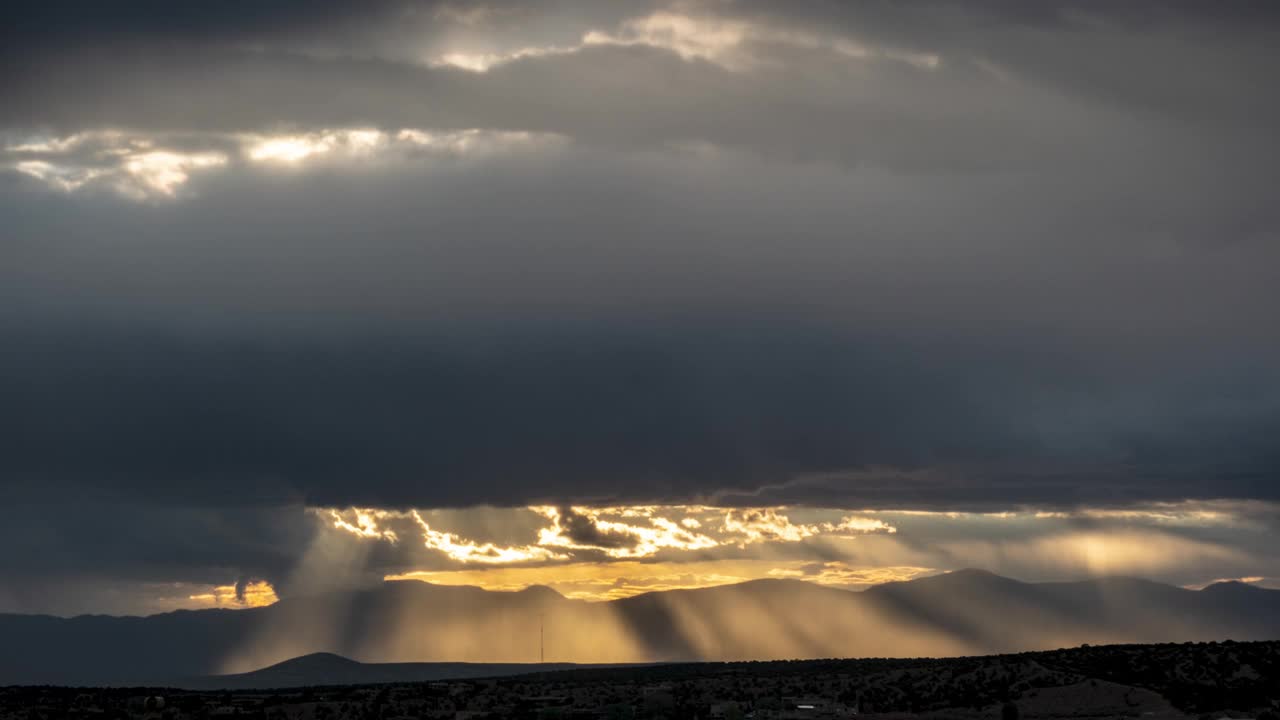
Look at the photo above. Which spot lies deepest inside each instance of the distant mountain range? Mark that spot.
(400, 626)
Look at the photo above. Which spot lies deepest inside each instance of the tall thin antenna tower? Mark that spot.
(542, 646)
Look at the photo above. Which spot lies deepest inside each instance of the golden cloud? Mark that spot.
(469, 551)
(615, 532)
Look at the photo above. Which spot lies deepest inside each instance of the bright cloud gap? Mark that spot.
(725, 42)
(143, 167)
(614, 533)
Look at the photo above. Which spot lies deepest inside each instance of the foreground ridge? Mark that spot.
(1237, 679)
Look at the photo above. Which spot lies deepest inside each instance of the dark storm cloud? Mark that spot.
(598, 417)
(582, 530)
(77, 549)
(932, 255)
(579, 417)
(64, 25)
(537, 353)
(1221, 467)
(568, 327)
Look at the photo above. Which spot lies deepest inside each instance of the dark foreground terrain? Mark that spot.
(1199, 680)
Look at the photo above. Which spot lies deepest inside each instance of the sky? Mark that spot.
(627, 296)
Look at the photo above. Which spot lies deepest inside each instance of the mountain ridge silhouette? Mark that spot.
(959, 613)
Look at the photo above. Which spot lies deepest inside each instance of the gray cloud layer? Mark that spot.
(938, 255)
(517, 332)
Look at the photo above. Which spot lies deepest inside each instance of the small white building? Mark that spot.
(799, 708)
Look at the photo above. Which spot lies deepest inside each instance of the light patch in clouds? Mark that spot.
(1093, 553)
(359, 142)
(141, 167)
(367, 145)
(134, 166)
(364, 523)
(468, 551)
(51, 144)
(768, 524)
(1191, 514)
(644, 531)
(485, 61)
(374, 524)
(764, 524)
(474, 140)
(163, 173)
(731, 43)
(62, 178)
(690, 37)
(608, 532)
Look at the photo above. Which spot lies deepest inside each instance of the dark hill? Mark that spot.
(330, 669)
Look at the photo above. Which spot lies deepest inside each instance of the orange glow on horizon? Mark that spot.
(256, 594)
(603, 581)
